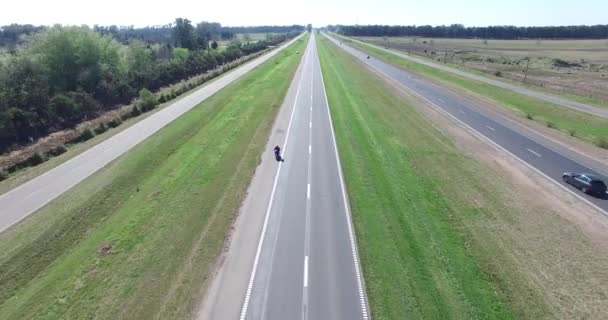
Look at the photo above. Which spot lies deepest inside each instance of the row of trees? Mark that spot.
(10, 34)
(210, 31)
(491, 32)
(201, 33)
(62, 75)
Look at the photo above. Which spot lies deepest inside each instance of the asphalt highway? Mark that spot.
(306, 265)
(538, 152)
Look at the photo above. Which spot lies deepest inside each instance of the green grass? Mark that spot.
(589, 128)
(165, 208)
(428, 242)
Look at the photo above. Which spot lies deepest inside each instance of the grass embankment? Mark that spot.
(139, 238)
(581, 125)
(423, 212)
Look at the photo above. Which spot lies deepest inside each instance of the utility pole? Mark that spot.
(526, 72)
(445, 60)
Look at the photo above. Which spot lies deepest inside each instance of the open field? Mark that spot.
(575, 67)
(578, 124)
(138, 239)
(448, 232)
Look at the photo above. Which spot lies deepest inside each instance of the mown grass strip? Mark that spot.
(425, 246)
(139, 238)
(581, 125)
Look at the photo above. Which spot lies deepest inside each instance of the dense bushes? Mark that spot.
(63, 75)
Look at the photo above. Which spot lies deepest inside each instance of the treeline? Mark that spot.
(210, 31)
(10, 34)
(491, 32)
(63, 75)
(266, 29)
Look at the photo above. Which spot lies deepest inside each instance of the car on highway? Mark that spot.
(588, 183)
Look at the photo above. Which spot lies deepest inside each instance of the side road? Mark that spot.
(600, 112)
(27, 198)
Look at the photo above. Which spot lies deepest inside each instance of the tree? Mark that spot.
(214, 45)
(183, 34)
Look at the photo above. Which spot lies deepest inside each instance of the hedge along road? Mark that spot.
(18, 203)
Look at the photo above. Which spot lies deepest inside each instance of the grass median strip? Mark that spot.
(427, 249)
(139, 238)
(584, 126)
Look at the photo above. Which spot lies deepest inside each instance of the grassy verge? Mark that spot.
(139, 238)
(428, 242)
(586, 127)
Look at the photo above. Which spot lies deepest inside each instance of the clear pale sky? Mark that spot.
(317, 12)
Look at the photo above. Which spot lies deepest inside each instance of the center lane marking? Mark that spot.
(306, 272)
(305, 305)
(534, 152)
(490, 128)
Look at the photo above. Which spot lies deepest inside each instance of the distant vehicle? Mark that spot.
(368, 57)
(588, 183)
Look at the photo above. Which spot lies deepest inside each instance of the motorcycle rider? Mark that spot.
(277, 153)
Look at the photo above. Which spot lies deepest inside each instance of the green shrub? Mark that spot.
(134, 112)
(3, 174)
(602, 143)
(115, 122)
(498, 73)
(572, 132)
(551, 125)
(56, 151)
(35, 160)
(146, 100)
(162, 99)
(85, 135)
(529, 116)
(101, 128)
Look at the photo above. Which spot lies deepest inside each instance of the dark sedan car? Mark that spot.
(586, 182)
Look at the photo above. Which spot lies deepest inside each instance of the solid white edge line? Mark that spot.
(309, 149)
(353, 243)
(310, 123)
(534, 152)
(483, 137)
(305, 271)
(269, 208)
(308, 191)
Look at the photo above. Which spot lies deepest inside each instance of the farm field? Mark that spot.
(570, 67)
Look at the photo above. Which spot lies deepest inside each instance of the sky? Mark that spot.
(318, 12)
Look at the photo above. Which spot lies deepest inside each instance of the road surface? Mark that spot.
(546, 157)
(306, 264)
(598, 111)
(18, 203)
